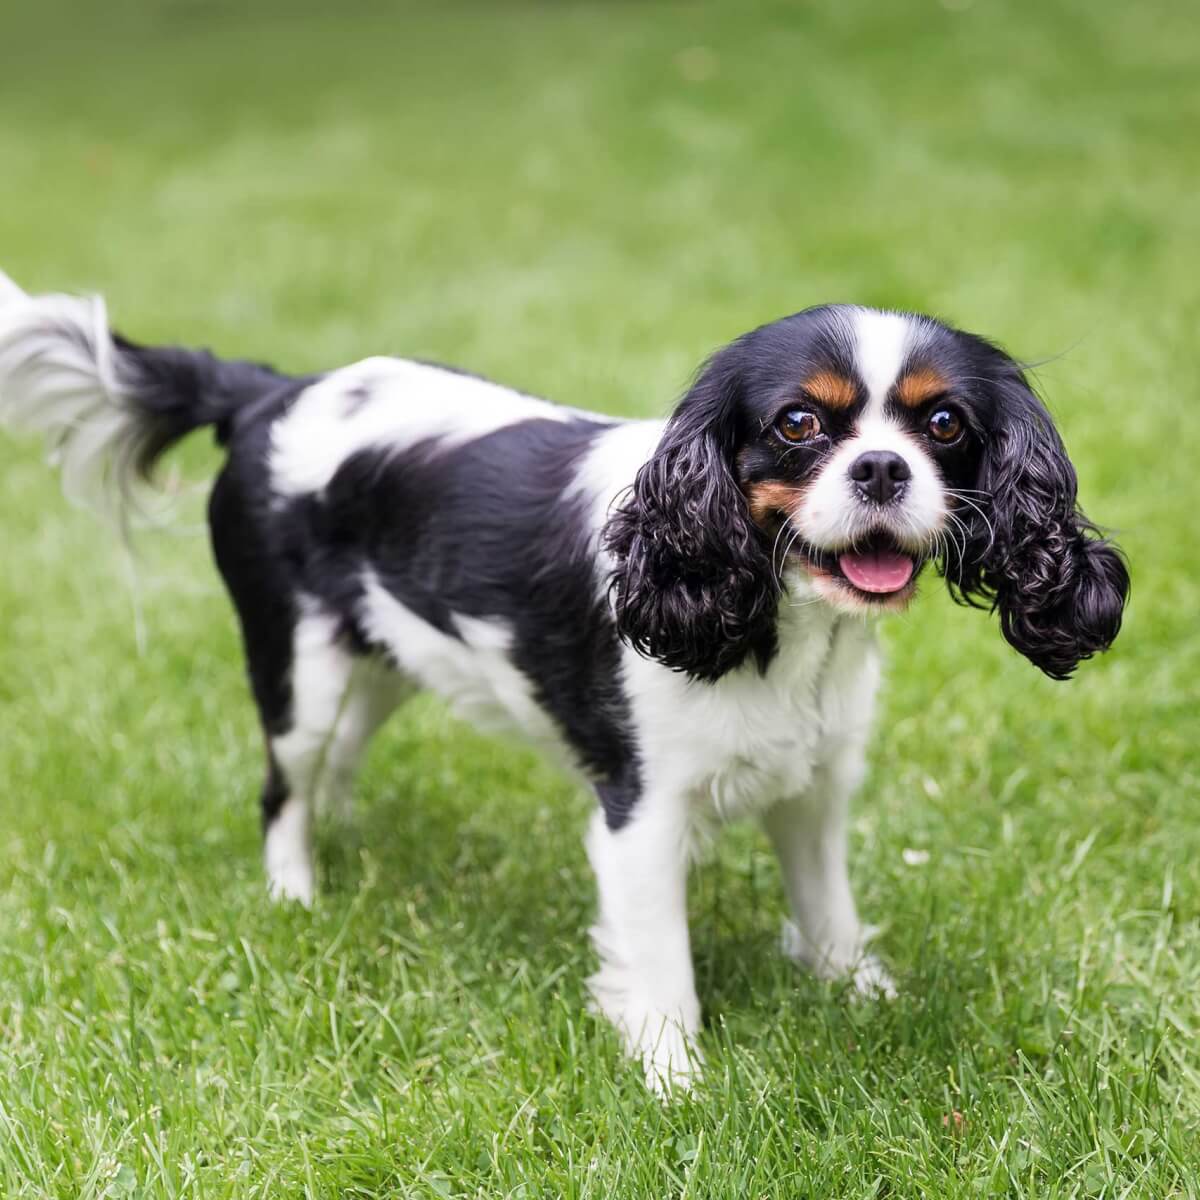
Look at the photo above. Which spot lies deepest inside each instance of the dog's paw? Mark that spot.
(866, 974)
(661, 1036)
(871, 979)
(671, 1058)
(291, 881)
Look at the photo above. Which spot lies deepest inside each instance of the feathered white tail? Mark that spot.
(62, 376)
(106, 406)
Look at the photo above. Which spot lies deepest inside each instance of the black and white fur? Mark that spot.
(659, 605)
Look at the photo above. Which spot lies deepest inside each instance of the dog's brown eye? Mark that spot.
(796, 425)
(945, 426)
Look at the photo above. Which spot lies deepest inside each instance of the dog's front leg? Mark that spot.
(645, 985)
(809, 835)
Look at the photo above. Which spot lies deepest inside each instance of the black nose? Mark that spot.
(880, 475)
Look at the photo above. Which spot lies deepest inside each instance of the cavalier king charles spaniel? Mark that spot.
(683, 612)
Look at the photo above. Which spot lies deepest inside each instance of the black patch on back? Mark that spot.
(482, 530)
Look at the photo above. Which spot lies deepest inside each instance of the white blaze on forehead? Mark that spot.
(882, 341)
(833, 514)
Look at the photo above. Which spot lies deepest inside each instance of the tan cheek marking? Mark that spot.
(769, 498)
(834, 391)
(921, 385)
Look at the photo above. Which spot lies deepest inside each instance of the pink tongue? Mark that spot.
(877, 570)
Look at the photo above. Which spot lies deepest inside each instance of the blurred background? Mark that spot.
(583, 200)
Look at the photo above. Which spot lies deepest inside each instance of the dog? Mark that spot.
(683, 612)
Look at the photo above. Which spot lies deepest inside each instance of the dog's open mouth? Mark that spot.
(877, 568)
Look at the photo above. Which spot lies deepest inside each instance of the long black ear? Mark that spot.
(693, 585)
(1058, 585)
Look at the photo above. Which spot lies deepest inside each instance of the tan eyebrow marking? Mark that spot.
(921, 385)
(770, 497)
(831, 389)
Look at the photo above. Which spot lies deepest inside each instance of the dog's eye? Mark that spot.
(945, 426)
(796, 425)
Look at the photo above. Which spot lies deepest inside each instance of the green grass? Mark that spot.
(583, 199)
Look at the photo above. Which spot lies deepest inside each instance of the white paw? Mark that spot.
(854, 962)
(661, 1036)
(291, 880)
(671, 1058)
(287, 854)
(871, 979)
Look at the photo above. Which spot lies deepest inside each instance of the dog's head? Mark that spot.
(859, 445)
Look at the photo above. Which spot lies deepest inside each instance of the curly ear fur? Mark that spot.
(1058, 585)
(693, 585)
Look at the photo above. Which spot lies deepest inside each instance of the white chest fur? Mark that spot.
(736, 746)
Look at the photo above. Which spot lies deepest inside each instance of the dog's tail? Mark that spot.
(107, 407)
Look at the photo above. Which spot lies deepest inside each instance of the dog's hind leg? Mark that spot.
(319, 700)
(338, 700)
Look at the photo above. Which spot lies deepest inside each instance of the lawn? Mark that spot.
(583, 199)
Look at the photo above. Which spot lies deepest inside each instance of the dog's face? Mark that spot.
(859, 445)
(856, 465)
